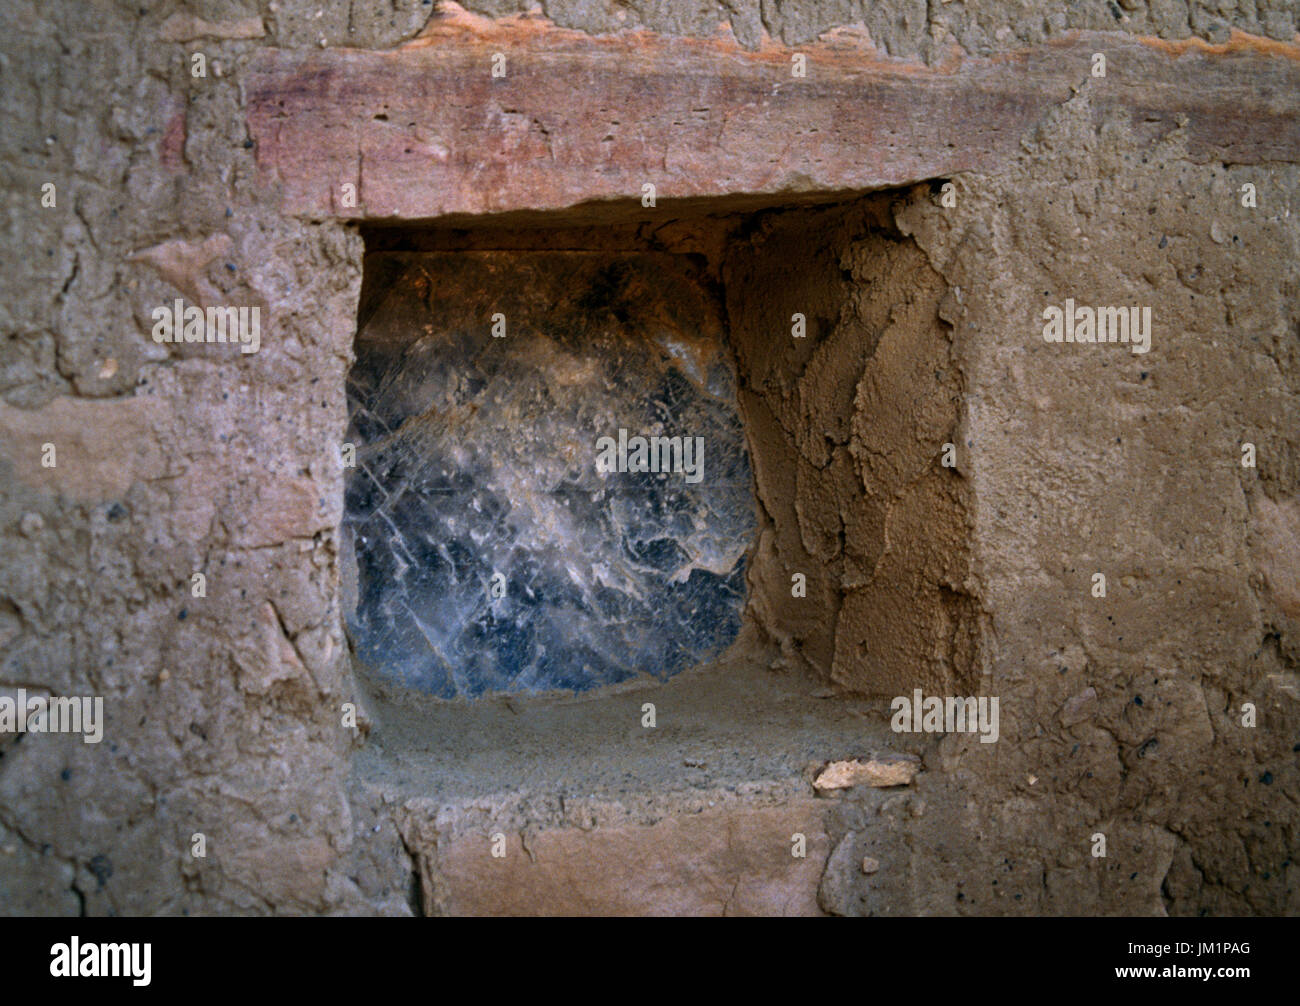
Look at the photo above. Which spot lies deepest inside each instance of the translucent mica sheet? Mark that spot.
(484, 550)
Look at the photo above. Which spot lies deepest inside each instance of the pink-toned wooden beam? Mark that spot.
(425, 130)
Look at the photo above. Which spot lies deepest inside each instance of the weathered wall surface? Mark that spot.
(849, 423)
(1120, 715)
(1089, 458)
(170, 460)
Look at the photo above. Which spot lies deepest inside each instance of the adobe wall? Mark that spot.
(1120, 715)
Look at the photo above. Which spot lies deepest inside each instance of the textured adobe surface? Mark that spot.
(848, 428)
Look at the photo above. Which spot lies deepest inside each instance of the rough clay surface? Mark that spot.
(848, 427)
(1120, 714)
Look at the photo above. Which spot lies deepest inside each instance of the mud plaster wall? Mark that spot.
(848, 426)
(222, 715)
(1130, 465)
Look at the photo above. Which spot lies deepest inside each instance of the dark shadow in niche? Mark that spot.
(485, 550)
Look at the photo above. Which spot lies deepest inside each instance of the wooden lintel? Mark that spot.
(426, 130)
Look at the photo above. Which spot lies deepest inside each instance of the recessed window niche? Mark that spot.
(617, 447)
